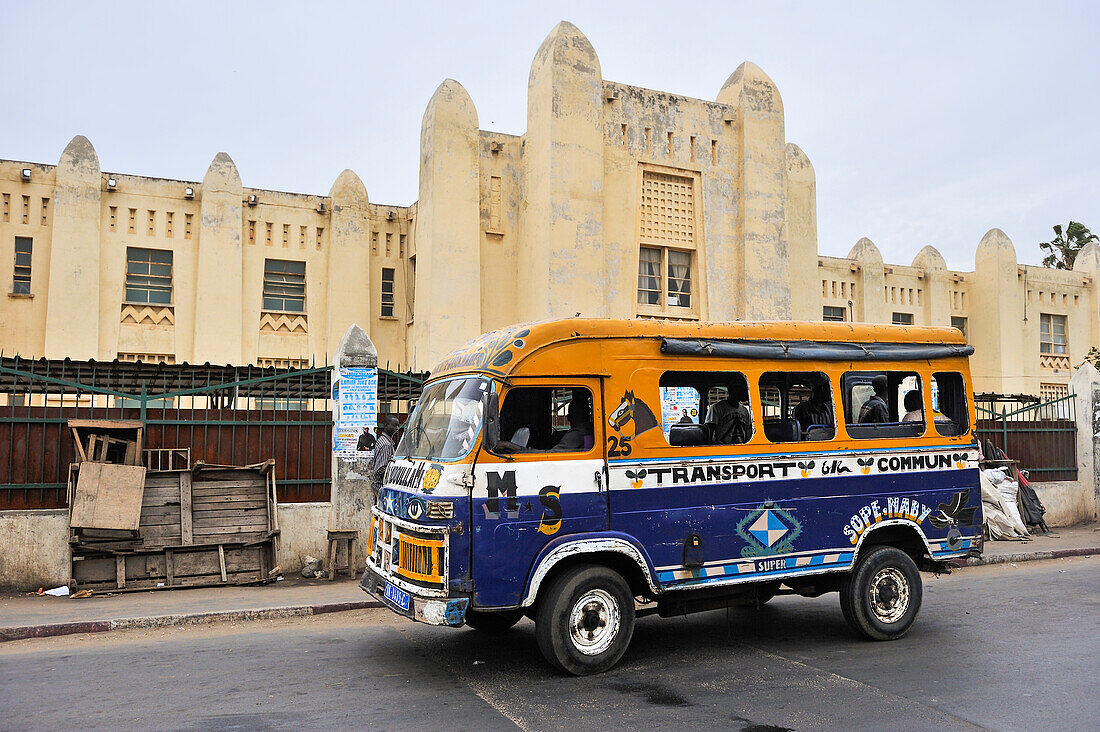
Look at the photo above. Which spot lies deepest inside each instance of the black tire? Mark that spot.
(880, 599)
(585, 620)
(496, 621)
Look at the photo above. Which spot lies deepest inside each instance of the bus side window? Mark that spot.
(797, 405)
(705, 408)
(546, 419)
(883, 404)
(951, 411)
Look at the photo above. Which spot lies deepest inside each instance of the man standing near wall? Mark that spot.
(383, 451)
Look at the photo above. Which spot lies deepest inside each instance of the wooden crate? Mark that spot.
(208, 525)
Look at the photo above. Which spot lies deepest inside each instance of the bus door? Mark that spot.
(544, 478)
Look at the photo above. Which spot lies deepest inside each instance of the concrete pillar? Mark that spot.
(72, 305)
(349, 292)
(801, 228)
(760, 140)
(936, 304)
(219, 331)
(351, 493)
(1085, 386)
(562, 267)
(996, 329)
(448, 228)
(869, 305)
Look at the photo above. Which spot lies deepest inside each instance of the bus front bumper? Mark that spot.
(421, 609)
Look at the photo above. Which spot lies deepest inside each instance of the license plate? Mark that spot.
(397, 596)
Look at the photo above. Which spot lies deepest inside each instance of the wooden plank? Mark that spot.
(254, 522)
(120, 570)
(110, 424)
(81, 455)
(221, 561)
(108, 497)
(187, 535)
(209, 530)
(256, 482)
(226, 501)
(169, 567)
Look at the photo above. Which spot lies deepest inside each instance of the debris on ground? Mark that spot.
(311, 567)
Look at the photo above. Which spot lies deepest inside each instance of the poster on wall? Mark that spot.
(356, 396)
(678, 404)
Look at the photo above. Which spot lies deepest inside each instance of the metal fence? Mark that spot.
(229, 415)
(1040, 435)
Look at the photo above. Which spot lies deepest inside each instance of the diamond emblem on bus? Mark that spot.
(768, 528)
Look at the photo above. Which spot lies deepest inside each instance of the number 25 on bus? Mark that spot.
(585, 472)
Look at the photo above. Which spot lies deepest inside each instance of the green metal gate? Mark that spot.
(1040, 435)
(229, 415)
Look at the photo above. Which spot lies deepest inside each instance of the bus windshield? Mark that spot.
(447, 419)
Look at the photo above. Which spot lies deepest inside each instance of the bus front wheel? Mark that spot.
(882, 595)
(585, 620)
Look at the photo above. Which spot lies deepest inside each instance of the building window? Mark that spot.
(410, 290)
(387, 292)
(653, 289)
(148, 276)
(284, 286)
(666, 250)
(21, 281)
(1052, 334)
(902, 319)
(831, 313)
(959, 324)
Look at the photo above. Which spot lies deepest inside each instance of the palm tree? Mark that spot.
(1063, 248)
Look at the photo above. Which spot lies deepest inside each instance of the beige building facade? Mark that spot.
(618, 201)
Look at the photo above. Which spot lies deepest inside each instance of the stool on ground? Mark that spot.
(347, 537)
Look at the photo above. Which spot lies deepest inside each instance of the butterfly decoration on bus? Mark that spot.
(636, 477)
(806, 467)
(865, 464)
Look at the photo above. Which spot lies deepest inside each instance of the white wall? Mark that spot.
(34, 549)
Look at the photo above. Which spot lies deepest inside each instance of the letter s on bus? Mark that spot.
(853, 537)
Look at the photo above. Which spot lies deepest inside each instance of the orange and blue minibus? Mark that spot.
(583, 472)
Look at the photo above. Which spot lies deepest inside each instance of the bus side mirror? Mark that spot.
(492, 422)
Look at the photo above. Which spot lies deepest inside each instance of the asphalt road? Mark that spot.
(1005, 647)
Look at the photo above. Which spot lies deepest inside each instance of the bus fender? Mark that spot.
(579, 544)
(906, 523)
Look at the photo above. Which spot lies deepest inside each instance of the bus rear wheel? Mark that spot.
(493, 622)
(585, 620)
(881, 597)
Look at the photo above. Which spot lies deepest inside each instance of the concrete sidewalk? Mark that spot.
(1074, 541)
(30, 616)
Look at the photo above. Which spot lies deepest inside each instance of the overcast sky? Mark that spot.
(927, 123)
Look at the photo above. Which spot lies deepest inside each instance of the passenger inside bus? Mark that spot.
(729, 421)
(875, 410)
(914, 405)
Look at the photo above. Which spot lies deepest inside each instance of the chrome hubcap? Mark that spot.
(594, 622)
(889, 595)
